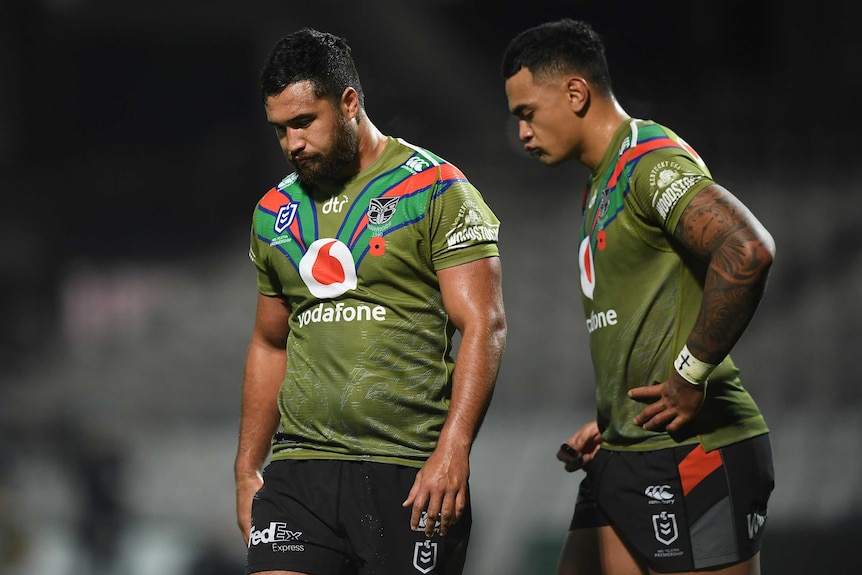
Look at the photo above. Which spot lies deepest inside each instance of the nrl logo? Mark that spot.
(285, 217)
(381, 210)
(425, 556)
(664, 526)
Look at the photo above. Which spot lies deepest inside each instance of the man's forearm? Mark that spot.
(734, 286)
(259, 417)
(719, 228)
(479, 357)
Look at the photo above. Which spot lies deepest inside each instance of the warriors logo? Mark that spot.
(381, 210)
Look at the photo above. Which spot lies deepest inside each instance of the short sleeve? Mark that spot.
(664, 182)
(462, 226)
(267, 279)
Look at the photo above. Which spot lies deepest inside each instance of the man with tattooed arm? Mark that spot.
(678, 461)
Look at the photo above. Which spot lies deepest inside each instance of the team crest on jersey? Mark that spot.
(425, 556)
(285, 216)
(327, 269)
(605, 202)
(381, 210)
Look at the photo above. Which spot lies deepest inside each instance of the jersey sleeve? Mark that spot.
(664, 182)
(462, 226)
(267, 280)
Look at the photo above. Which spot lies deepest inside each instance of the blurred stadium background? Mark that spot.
(133, 148)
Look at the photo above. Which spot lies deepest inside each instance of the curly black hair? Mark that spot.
(562, 46)
(319, 57)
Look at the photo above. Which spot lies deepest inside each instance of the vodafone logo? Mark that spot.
(327, 269)
(588, 270)
(597, 319)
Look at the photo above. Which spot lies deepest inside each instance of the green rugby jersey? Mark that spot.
(369, 350)
(641, 297)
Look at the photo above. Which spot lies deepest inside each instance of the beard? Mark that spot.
(339, 163)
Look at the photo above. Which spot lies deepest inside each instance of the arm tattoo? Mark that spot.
(717, 227)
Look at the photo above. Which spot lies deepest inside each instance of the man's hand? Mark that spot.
(674, 403)
(581, 447)
(246, 487)
(440, 490)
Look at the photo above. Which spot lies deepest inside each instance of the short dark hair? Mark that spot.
(559, 47)
(319, 57)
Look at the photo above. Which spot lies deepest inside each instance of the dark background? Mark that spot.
(133, 148)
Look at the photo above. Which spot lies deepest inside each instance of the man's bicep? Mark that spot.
(271, 321)
(715, 218)
(712, 217)
(472, 291)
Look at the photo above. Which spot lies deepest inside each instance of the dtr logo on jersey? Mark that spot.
(588, 271)
(327, 269)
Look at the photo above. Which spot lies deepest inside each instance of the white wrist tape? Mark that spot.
(692, 369)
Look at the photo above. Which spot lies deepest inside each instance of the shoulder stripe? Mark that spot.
(639, 150)
(273, 200)
(407, 187)
(271, 203)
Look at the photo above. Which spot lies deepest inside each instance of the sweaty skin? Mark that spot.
(472, 296)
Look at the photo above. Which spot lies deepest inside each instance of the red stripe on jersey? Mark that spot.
(637, 152)
(690, 150)
(408, 186)
(586, 196)
(450, 172)
(273, 200)
(696, 466)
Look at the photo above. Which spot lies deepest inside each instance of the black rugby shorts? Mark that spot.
(345, 517)
(681, 508)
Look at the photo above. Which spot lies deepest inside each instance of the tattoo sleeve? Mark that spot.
(718, 228)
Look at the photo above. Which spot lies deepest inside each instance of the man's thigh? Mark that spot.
(597, 551)
(379, 533)
(600, 551)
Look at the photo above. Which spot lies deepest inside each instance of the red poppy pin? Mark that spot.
(377, 246)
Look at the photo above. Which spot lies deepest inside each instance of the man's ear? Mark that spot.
(350, 103)
(578, 93)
